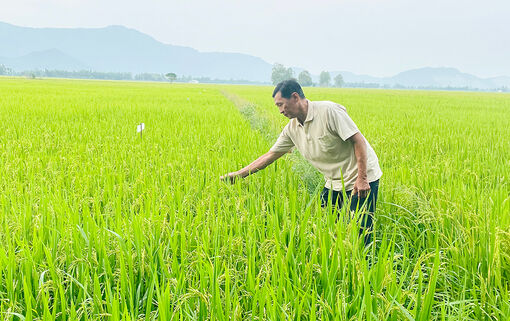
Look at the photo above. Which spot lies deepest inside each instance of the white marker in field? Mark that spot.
(140, 128)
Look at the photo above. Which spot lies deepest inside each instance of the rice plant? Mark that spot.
(100, 223)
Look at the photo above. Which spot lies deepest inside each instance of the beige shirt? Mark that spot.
(322, 140)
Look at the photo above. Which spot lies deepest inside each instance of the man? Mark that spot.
(327, 137)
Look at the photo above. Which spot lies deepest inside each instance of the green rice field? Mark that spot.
(100, 223)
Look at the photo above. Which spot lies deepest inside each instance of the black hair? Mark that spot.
(287, 88)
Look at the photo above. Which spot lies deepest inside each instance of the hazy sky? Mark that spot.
(376, 37)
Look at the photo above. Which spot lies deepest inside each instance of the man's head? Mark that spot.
(288, 96)
(287, 88)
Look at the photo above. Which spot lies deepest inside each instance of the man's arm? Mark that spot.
(258, 164)
(361, 186)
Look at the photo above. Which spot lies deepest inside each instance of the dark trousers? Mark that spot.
(366, 205)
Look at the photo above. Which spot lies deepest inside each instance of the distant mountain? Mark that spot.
(47, 59)
(429, 77)
(119, 49)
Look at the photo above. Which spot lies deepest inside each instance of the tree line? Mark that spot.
(89, 74)
(281, 73)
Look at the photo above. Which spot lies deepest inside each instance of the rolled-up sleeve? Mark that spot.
(340, 123)
(283, 143)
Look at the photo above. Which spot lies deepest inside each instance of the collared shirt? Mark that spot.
(322, 140)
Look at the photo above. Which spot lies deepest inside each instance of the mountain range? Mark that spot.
(118, 49)
(121, 49)
(429, 77)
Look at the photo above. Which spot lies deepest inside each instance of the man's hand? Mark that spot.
(361, 188)
(255, 166)
(231, 177)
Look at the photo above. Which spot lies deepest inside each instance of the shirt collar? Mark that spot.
(310, 113)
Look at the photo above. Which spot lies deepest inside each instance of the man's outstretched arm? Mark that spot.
(258, 164)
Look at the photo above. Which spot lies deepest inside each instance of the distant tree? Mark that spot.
(339, 81)
(280, 73)
(324, 79)
(171, 76)
(4, 70)
(304, 78)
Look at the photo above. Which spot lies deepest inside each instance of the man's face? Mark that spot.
(287, 107)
